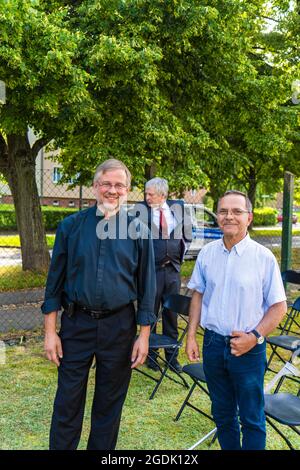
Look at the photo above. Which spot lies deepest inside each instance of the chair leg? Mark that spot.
(185, 401)
(274, 353)
(212, 432)
(213, 439)
(280, 433)
(164, 373)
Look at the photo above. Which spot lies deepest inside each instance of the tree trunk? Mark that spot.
(252, 186)
(20, 175)
(252, 183)
(150, 171)
(215, 192)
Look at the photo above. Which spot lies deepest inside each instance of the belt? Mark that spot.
(98, 314)
(226, 338)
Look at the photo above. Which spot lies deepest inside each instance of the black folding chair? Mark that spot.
(179, 304)
(282, 407)
(284, 341)
(196, 373)
(185, 317)
(290, 277)
(279, 406)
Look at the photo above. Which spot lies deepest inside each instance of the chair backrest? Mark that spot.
(178, 303)
(296, 304)
(289, 369)
(291, 276)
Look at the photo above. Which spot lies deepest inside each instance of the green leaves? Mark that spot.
(201, 90)
(38, 62)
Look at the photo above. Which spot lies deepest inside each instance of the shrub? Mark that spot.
(265, 216)
(51, 216)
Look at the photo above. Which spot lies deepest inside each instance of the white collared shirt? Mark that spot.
(238, 286)
(168, 215)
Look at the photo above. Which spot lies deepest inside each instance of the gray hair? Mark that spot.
(238, 193)
(160, 185)
(112, 164)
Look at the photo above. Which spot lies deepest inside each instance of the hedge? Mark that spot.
(51, 216)
(265, 216)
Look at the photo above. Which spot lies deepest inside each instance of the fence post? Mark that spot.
(287, 213)
(80, 197)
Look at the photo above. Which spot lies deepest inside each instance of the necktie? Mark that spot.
(163, 226)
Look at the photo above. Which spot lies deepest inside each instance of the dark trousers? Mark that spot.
(110, 341)
(235, 387)
(167, 282)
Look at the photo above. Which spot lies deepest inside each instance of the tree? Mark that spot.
(263, 134)
(164, 74)
(46, 91)
(183, 89)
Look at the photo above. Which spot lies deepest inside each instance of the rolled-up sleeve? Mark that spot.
(197, 281)
(57, 274)
(146, 281)
(273, 288)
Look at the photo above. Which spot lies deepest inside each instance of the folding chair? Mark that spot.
(179, 304)
(290, 277)
(196, 373)
(282, 407)
(285, 341)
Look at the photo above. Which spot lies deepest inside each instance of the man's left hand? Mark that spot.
(140, 351)
(242, 343)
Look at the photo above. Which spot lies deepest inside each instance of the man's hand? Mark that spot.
(53, 348)
(140, 351)
(192, 349)
(242, 342)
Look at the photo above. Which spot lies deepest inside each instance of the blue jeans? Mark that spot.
(235, 386)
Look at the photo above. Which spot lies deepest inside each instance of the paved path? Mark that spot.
(21, 310)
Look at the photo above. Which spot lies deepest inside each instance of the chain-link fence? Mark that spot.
(22, 292)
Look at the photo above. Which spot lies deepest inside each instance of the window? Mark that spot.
(56, 175)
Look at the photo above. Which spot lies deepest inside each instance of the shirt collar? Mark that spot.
(100, 214)
(239, 247)
(164, 206)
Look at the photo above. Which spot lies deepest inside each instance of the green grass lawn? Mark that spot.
(28, 384)
(13, 241)
(272, 232)
(14, 278)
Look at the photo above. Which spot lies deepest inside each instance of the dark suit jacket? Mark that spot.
(182, 230)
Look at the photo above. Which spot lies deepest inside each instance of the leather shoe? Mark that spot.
(176, 366)
(152, 365)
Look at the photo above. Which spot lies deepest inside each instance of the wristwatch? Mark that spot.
(259, 338)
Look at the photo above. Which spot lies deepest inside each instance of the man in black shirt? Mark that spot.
(97, 271)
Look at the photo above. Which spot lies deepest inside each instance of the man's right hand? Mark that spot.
(192, 349)
(53, 348)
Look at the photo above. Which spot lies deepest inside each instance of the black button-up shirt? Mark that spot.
(100, 272)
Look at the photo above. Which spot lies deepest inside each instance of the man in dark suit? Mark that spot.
(171, 232)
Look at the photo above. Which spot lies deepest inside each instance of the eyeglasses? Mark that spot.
(236, 212)
(107, 186)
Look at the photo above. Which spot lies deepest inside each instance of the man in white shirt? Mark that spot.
(239, 299)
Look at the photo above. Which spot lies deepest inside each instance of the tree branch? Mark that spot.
(3, 152)
(268, 18)
(38, 145)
